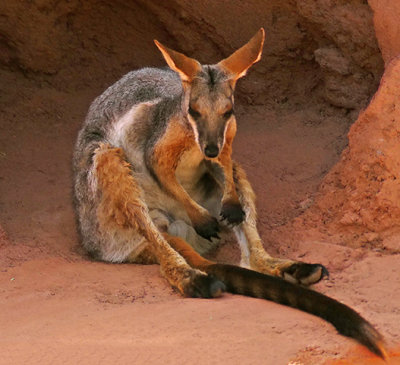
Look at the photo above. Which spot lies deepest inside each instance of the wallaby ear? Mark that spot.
(237, 64)
(187, 67)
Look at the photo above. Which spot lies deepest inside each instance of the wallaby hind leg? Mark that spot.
(253, 253)
(122, 208)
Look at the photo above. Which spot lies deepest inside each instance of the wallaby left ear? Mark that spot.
(187, 67)
(237, 64)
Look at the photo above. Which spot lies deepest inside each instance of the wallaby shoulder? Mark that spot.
(143, 85)
(156, 87)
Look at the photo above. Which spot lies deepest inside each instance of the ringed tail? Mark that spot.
(347, 322)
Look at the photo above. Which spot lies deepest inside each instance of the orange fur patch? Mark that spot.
(146, 257)
(171, 146)
(167, 153)
(188, 253)
(121, 203)
(225, 161)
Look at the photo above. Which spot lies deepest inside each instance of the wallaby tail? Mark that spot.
(254, 284)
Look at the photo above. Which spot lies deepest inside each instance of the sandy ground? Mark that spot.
(57, 306)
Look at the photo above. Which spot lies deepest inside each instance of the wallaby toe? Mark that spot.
(305, 274)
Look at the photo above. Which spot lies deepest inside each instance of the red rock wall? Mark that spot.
(359, 200)
(360, 197)
(79, 44)
(387, 27)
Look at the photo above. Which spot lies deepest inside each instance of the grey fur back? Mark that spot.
(135, 87)
(161, 86)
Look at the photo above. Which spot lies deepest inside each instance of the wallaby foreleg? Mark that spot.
(254, 255)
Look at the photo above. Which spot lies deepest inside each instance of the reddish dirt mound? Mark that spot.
(321, 66)
(359, 199)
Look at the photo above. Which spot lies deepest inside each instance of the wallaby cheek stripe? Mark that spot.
(195, 130)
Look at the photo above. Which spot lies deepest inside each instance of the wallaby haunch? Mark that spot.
(155, 183)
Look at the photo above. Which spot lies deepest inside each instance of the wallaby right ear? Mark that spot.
(187, 67)
(237, 64)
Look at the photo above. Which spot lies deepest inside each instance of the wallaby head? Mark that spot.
(208, 100)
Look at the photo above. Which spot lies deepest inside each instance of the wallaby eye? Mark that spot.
(228, 114)
(194, 113)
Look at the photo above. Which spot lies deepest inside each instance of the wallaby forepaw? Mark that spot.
(208, 227)
(305, 274)
(204, 286)
(232, 213)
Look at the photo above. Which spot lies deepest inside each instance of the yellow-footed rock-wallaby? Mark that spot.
(155, 183)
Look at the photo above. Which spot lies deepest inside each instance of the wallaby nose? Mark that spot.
(211, 150)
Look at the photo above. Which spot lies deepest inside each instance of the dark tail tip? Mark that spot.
(217, 288)
(372, 339)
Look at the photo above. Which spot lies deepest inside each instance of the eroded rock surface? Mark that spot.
(361, 194)
(74, 44)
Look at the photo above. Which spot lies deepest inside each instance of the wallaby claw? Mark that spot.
(208, 228)
(204, 286)
(232, 213)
